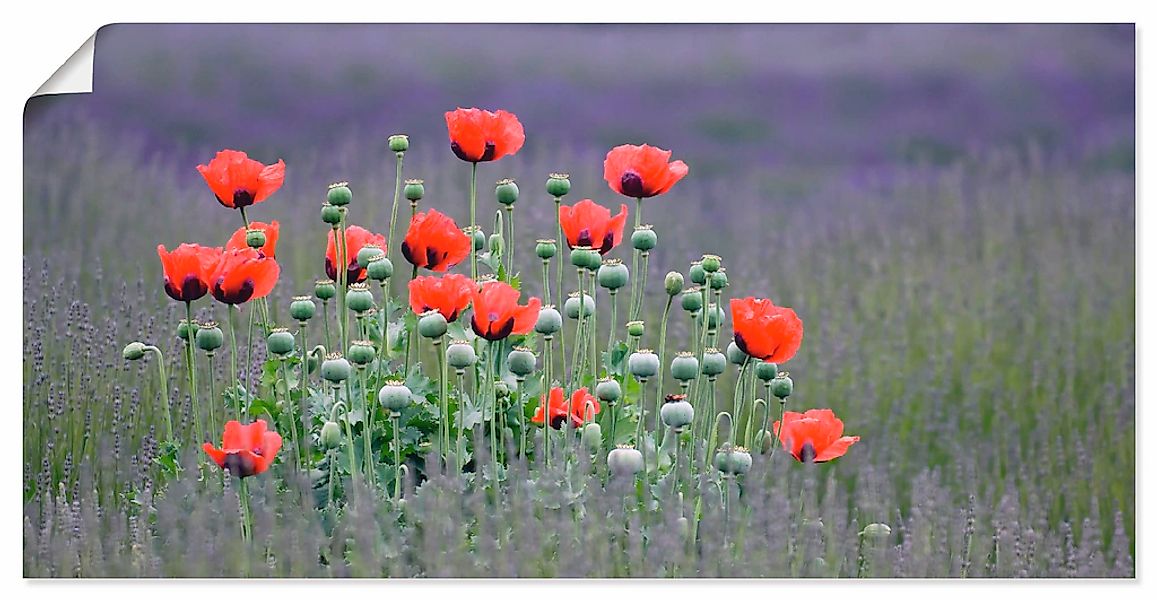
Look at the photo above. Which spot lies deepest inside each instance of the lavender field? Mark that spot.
(949, 209)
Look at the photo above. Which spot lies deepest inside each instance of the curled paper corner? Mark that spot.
(75, 75)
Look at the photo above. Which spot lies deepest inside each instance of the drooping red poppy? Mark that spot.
(591, 225)
(641, 171)
(237, 240)
(449, 294)
(356, 238)
(815, 436)
(435, 242)
(478, 135)
(561, 410)
(188, 270)
(245, 449)
(497, 314)
(764, 330)
(244, 274)
(239, 181)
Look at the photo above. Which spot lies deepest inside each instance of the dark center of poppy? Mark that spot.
(584, 238)
(487, 154)
(239, 465)
(242, 198)
(557, 421)
(238, 296)
(807, 453)
(191, 289)
(608, 243)
(631, 184)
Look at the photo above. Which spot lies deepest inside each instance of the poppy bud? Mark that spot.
(613, 274)
(558, 185)
(302, 308)
(368, 253)
(183, 329)
(280, 342)
(335, 369)
(676, 411)
(339, 194)
(691, 300)
(643, 364)
(684, 526)
(496, 244)
(394, 396)
(521, 361)
(549, 320)
(476, 235)
(608, 390)
(711, 263)
(736, 356)
(432, 324)
(506, 192)
(502, 389)
(546, 249)
(362, 352)
(715, 316)
(359, 298)
(592, 437)
(330, 214)
(399, 143)
(782, 386)
(766, 371)
(209, 337)
(460, 354)
(331, 435)
(764, 441)
(718, 279)
(134, 351)
(636, 328)
(714, 362)
(684, 367)
(625, 460)
(572, 305)
(877, 531)
(644, 238)
(673, 283)
(580, 256)
(324, 289)
(414, 190)
(698, 274)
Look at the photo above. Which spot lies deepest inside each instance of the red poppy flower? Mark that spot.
(764, 330)
(188, 270)
(356, 238)
(641, 171)
(814, 435)
(245, 449)
(433, 241)
(244, 274)
(239, 181)
(497, 314)
(449, 294)
(480, 135)
(560, 410)
(591, 225)
(237, 240)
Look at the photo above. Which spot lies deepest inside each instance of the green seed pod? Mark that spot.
(362, 352)
(608, 390)
(613, 274)
(325, 289)
(209, 337)
(134, 351)
(714, 362)
(330, 214)
(715, 316)
(339, 194)
(877, 532)
(183, 329)
(506, 192)
(572, 306)
(766, 371)
(691, 300)
(335, 368)
(359, 298)
(302, 308)
(460, 354)
(718, 279)
(594, 260)
(740, 460)
(625, 460)
(380, 268)
(684, 367)
(673, 283)
(698, 275)
(280, 342)
(432, 325)
(476, 236)
(643, 364)
(736, 356)
(549, 320)
(368, 253)
(764, 441)
(546, 249)
(331, 435)
(644, 238)
(414, 190)
(394, 396)
(782, 386)
(255, 238)
(580, 256)
(558, 185)
(521, 361)
(503, 389)
(676, 411)
(711, 263)
(399, 143)
(592, 437)
(636, 329)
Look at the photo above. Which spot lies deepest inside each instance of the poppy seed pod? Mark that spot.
(684, 367)
(580, 256)
(476, 236)
(394, 396)
(736, 356)
(613, 274)
(134, 351)
(691, 300)
(368, 253)
(677, 412)
(549, 321)
(335, 368)
(782, 386)
(414, 190)
(432, 324)
(506, 192)
(183, 329)
(877, 531)
(558, 184)
(715, 316)
(698, 274)
(209, 337)
(399, 143)
(255, 238)
(331, 435)
(359, 298)
(740, 460)
(325, 289)
(625, 460)
(723, 459)
(380, 268)
(339, 194)
(718, 279)
(361, 352)
(503, 389)
(673, 283)
(280, 342)
(572, 305)
(766, 371)
(460, 354)
(643, 364)
(644, 238)
(608, 390)
(714, 362)
(592, 437)
(546, 249)
(711, 263)
(302, 308)
(636, 328)
(521, 361)
(330, 214)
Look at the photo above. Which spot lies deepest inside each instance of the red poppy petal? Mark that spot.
(837, 448)
(217, 455)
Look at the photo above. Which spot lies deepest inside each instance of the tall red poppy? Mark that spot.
(237, 240)
(435, 242)
(560, 410)
(815, 436)
(641, 171)
(591, 225)
(188, 270)
(244, 274)
(480, 135)
(239, 181)
(449, 294)
(245, 449)
(356, 238)
(764, 330)
(497, 314)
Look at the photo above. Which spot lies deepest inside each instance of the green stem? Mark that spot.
(342, 269)
(662, 360)
(164, 390)
(635, 260)
(641, 431)
(214, 424)
(191, 364)
(561, 243)
(614, 318)
(577, 354)
(397, 192)
(395, 419)
(521, 416)
(229, 308)
(325, 319)
(547, 359)
(459, 448)
(367, 427)
(473, 220)
(292, 415)
(349, 432)
(493, 412)
(443, 401)
(638, 308)
(249, 354)
(246, 523)
(410, 334)
(738, 396)
(511, 245)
